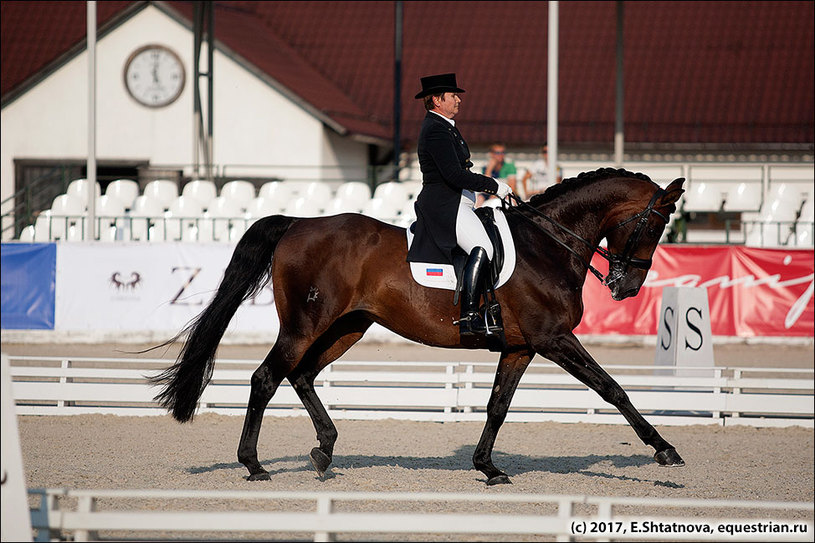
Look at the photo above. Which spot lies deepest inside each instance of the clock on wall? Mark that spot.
(154, 75)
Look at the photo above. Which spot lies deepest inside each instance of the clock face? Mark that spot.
(154, 76)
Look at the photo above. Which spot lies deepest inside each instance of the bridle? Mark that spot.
(618, 263)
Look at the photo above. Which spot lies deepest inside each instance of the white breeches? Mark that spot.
(470, 231)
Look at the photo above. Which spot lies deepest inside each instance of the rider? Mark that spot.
(444, 208)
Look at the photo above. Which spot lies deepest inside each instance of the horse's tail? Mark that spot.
(248, 272)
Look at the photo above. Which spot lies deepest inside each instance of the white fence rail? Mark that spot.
(326, 514)
(434, 391)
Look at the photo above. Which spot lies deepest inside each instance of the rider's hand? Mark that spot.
(503, 190)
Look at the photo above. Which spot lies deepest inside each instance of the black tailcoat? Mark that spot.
(444, 159)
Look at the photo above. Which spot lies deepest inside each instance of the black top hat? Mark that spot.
(437, 84)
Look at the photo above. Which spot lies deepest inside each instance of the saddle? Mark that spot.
(450, 277)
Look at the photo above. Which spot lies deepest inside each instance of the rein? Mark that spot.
(625, 259)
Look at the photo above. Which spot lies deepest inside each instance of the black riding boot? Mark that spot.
(471, 323)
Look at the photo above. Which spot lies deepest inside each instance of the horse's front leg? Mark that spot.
(567, 352)
(511, 367)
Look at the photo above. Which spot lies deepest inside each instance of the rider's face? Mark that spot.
(447, 104)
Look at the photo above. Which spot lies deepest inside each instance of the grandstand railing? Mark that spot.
(430, 391)
(325, 515)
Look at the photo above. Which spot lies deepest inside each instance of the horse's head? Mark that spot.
(634, 230)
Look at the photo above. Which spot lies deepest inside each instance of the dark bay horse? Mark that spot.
(334, 276)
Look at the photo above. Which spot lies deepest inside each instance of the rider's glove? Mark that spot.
(503, 189)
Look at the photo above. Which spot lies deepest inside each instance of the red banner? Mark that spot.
(751, 292)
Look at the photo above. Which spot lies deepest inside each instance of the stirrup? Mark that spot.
(471, 324)
(493, 318)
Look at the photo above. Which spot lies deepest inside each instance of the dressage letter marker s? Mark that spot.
(684, 339)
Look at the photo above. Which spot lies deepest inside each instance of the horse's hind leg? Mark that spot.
(277, 365)
(339, 339)
(568, 353)
(511, 367)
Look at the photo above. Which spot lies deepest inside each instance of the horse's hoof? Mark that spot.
(502, 479)
(262, 476)
(319, 460)
(669, 457)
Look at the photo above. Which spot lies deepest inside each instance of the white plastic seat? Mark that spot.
(79, 189)
(263, 206)
(223, 221)
(125, 190)
(146, 221)
(202, 190)
(392, 190)
(275, 190)
(408, 213)
(67, 218)
(704, 197)
(110, 212)
(803, 234)
(240, 191)
(43, 226)
(383, 209)
(353, 194)
(745, 196)
(181, 220)
(28, 234)
(303, 207)
(162, 191)
(295, 187)
(338, 206)
(318, 192)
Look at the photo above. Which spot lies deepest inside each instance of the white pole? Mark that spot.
(551, 101)
(91, 176)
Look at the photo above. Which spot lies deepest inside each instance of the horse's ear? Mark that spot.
(673, 191)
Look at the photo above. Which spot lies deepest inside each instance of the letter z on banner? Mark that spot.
(147, 287)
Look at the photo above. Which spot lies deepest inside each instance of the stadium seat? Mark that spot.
(146, 220)
(182, 219)
(705, 197)
(125, 190)
(392, 190)
(42, 227)
(240, 191)
(202, 190)
(161, 191)
(79, 188)
(303, 206)
(275, 190)
(318, 192)
(745, 196)
(28, 234)
(110, 220)
(383, 209)
(67, 218)
(263, 206)
(353, 194)
(223, 221)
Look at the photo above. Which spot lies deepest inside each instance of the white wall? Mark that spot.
(253, 123)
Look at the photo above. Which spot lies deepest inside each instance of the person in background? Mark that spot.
(536, 179)
(498, 167)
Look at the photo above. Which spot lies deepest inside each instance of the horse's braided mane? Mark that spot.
(572, 183)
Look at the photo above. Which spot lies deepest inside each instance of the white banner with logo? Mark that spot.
(157, 287)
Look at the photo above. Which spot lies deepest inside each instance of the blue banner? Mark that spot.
(28, 280)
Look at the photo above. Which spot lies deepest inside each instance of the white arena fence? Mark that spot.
(429, 391)
(325, 515)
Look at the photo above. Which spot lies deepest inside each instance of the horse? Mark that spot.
(334, 276)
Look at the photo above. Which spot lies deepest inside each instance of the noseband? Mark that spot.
(619, 263)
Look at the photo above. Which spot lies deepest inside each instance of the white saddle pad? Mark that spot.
(444, 276)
